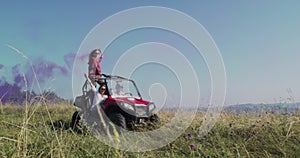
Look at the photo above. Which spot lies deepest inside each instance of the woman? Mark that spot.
(99, 95)
(94, 69)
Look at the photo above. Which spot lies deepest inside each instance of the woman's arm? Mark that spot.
(101, 57)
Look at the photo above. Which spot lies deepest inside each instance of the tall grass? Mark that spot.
(46, 133)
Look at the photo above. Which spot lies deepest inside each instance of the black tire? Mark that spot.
(155, 119)
(118, 119)
(75, 121)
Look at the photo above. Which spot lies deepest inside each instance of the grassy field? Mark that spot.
(43, 131)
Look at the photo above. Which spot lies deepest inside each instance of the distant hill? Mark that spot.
(281, 108)
(269, 108)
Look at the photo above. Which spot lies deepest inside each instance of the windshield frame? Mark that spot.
(115, 80)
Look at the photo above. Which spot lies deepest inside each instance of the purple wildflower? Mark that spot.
(83, 120)
(189, 135)
(192, 146)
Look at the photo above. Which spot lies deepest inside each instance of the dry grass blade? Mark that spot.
(42, 100)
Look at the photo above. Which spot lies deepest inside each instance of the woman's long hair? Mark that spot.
(92, 55)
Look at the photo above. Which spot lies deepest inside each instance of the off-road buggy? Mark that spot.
(126, 109)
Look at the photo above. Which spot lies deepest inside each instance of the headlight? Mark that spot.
(151, 107)
(128, 106)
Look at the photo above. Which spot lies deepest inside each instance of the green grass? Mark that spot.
(42, 131)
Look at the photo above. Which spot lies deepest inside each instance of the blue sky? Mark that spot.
(258, 40)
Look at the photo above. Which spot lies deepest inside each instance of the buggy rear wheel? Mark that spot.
(75, 121)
